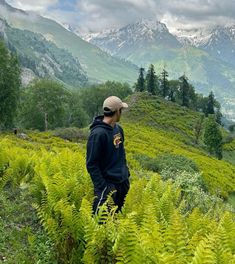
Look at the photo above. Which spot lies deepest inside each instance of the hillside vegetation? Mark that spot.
(162, 127)
(98, 65)
(43, 57)
(175, 211)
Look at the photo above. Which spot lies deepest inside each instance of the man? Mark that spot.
(106, 158)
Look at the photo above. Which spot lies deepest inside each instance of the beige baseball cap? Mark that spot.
(114, 103)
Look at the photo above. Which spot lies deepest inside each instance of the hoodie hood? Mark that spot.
(98, 122)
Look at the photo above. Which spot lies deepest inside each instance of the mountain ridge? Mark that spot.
(206, 68)
(99, 65)
(41, 58)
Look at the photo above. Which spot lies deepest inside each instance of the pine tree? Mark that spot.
(210, 104)
(152, 81)
(173, 89)
(198, 128)
(192, 97)
(9, 87)
(213, 137)
(184, 91)
(164, 84)
(140, 85)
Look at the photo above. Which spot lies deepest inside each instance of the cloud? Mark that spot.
(39, 5)
(99, 14)
(96, 15)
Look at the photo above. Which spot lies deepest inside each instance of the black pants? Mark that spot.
(120, 192)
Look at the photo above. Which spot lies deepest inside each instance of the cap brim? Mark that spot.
(124, 105)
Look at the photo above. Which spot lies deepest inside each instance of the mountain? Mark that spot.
(42, 58)
(133, 38)
(217, 41)
(194, 53)
(98, 65)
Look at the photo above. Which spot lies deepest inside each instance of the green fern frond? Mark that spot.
(204, 253)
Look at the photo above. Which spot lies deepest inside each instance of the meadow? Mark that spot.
(178, 210)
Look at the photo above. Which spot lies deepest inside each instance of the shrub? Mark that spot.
(71, 133)
(171, 162)
(193, 190)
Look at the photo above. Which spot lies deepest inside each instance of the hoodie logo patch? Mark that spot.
(117, 140)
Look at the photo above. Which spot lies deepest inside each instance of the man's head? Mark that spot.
(113, 106)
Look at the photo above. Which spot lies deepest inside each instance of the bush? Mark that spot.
(71, 133)
(193, 191)
(171, 162)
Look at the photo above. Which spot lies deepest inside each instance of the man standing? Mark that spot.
(106, 158)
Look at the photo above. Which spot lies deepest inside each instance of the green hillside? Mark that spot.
(203, 70)
(156, 127)
(171, 213)
(99, 65)
(43, 57)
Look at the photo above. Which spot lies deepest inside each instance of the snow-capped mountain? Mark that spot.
(194, 37)
(133, 37)
(217, 41)
(205, 55)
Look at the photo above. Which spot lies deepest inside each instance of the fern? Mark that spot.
(176, 238)
(204, 252)
(126, 246)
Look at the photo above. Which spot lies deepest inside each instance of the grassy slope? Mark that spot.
(98, 64)
(229, 151)
(154, 126)
(22, 239)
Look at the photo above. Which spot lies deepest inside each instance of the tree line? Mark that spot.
(46, 104)
(179, 91)
(182, 92)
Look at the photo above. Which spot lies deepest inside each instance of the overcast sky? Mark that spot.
(96, 15)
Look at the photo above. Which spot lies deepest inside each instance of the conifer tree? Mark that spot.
(152, 80)
(198, 128)
(9, 87)
(140, 85)
(213, 137)
(173, 89)
(210, 104)
(184, 91)
(164, 84)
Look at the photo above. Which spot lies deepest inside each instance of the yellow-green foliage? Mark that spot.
(154, 226)
(154, 126)
(229, 146)
(151, 228)
(218, 174)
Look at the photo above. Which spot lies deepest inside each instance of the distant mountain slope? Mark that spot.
(99, 65)
(206, 57)
(42, 57)
(217, 41)
(134, 38)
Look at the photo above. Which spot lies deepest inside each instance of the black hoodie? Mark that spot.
(106, 158)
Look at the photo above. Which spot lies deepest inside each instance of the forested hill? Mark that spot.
(43, 58)
(98, 65)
